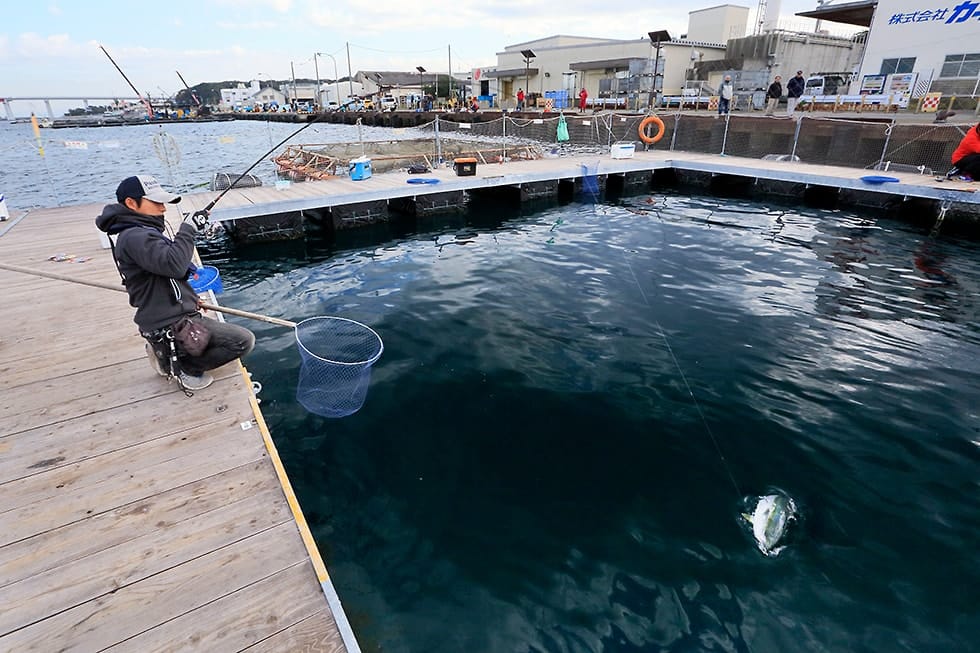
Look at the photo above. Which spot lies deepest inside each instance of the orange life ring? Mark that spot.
(651, 120)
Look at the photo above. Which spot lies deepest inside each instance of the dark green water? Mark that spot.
(538, 466)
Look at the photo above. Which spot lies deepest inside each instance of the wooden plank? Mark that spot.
(92, 434)
(221, 451)
(57, 481)
(78, 540)
(86, 392)
(216, 628)
(306, 636)
(137, 608)
(63, 587)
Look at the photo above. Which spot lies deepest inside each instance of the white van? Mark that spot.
(825, 85)
(388, 103)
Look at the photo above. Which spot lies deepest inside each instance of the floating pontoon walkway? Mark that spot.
(133, 518)
(342, 191)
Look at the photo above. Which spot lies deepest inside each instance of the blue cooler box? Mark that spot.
(360, 168)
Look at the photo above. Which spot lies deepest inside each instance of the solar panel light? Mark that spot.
(528, 54)
(659, 36)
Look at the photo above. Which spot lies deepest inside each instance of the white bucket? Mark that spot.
(104, 240)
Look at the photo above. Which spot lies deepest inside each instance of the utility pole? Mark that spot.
(656, 38)
(350, 76)
(336, 76)
(316, 71)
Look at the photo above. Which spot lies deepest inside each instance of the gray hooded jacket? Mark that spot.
(154, 268)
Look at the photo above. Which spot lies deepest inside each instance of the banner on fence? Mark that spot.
(930, 103)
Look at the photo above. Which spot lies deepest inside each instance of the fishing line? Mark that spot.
(272, 149)
(680, 371)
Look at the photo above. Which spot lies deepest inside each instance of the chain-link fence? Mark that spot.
(869, 143)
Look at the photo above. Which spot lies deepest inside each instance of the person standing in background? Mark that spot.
(520, 99)
(582, 97)
(773, 94)
(794, 90)
(726, 93)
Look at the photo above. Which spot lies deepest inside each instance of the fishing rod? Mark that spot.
(149, 108)
(194, 97)
(207, 209)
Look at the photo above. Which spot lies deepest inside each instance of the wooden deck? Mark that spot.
(132, 517)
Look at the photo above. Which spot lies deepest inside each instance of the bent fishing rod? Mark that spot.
(207, 209)
(146, 102)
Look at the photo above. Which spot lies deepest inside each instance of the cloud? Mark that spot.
(259, 25)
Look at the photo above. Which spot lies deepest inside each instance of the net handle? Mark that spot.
(253, 316)
(119, 288)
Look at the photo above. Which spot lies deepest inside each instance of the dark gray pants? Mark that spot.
(970, 165)
(228, 342)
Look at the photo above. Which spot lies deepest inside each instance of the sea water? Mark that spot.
(573, 401)
(84, 165)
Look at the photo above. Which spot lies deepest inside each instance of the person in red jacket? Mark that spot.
(966, 157)
(582, 97)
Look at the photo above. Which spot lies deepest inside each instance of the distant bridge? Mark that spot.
(7, 102)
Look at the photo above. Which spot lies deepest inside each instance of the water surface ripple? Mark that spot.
(533, 469)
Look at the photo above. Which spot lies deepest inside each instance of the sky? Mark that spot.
(52, 48)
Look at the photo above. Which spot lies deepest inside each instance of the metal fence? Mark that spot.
(871, 144)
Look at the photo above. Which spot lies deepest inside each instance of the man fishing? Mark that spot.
(181, 343)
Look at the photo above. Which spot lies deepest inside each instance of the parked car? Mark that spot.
(826, 85)
(388, 103)
(353, 103)
(368, 104)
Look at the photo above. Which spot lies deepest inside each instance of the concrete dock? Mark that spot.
(844, 186)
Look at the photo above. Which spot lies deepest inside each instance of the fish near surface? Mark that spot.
(770, 520)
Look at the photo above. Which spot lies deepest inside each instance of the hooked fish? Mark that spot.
(770, 520)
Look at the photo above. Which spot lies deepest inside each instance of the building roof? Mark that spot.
(623, 62)
(851, 13)
(510, 72)
(401, 77)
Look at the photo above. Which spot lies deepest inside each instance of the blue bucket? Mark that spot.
(205, 279)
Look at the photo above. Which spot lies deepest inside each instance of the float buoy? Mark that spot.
(651, 120)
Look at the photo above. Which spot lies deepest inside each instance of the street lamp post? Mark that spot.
(528, 58)
(656, 38)
(421, 89)
(336, 83)
(316, 71)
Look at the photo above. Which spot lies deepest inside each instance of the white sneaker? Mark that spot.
(155, 362)
(192, 382)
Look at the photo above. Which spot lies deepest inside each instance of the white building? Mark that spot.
(234, 99)
(614, 73)
(925, 44)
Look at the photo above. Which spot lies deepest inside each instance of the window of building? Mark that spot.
(900, 65)
(961, 65)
